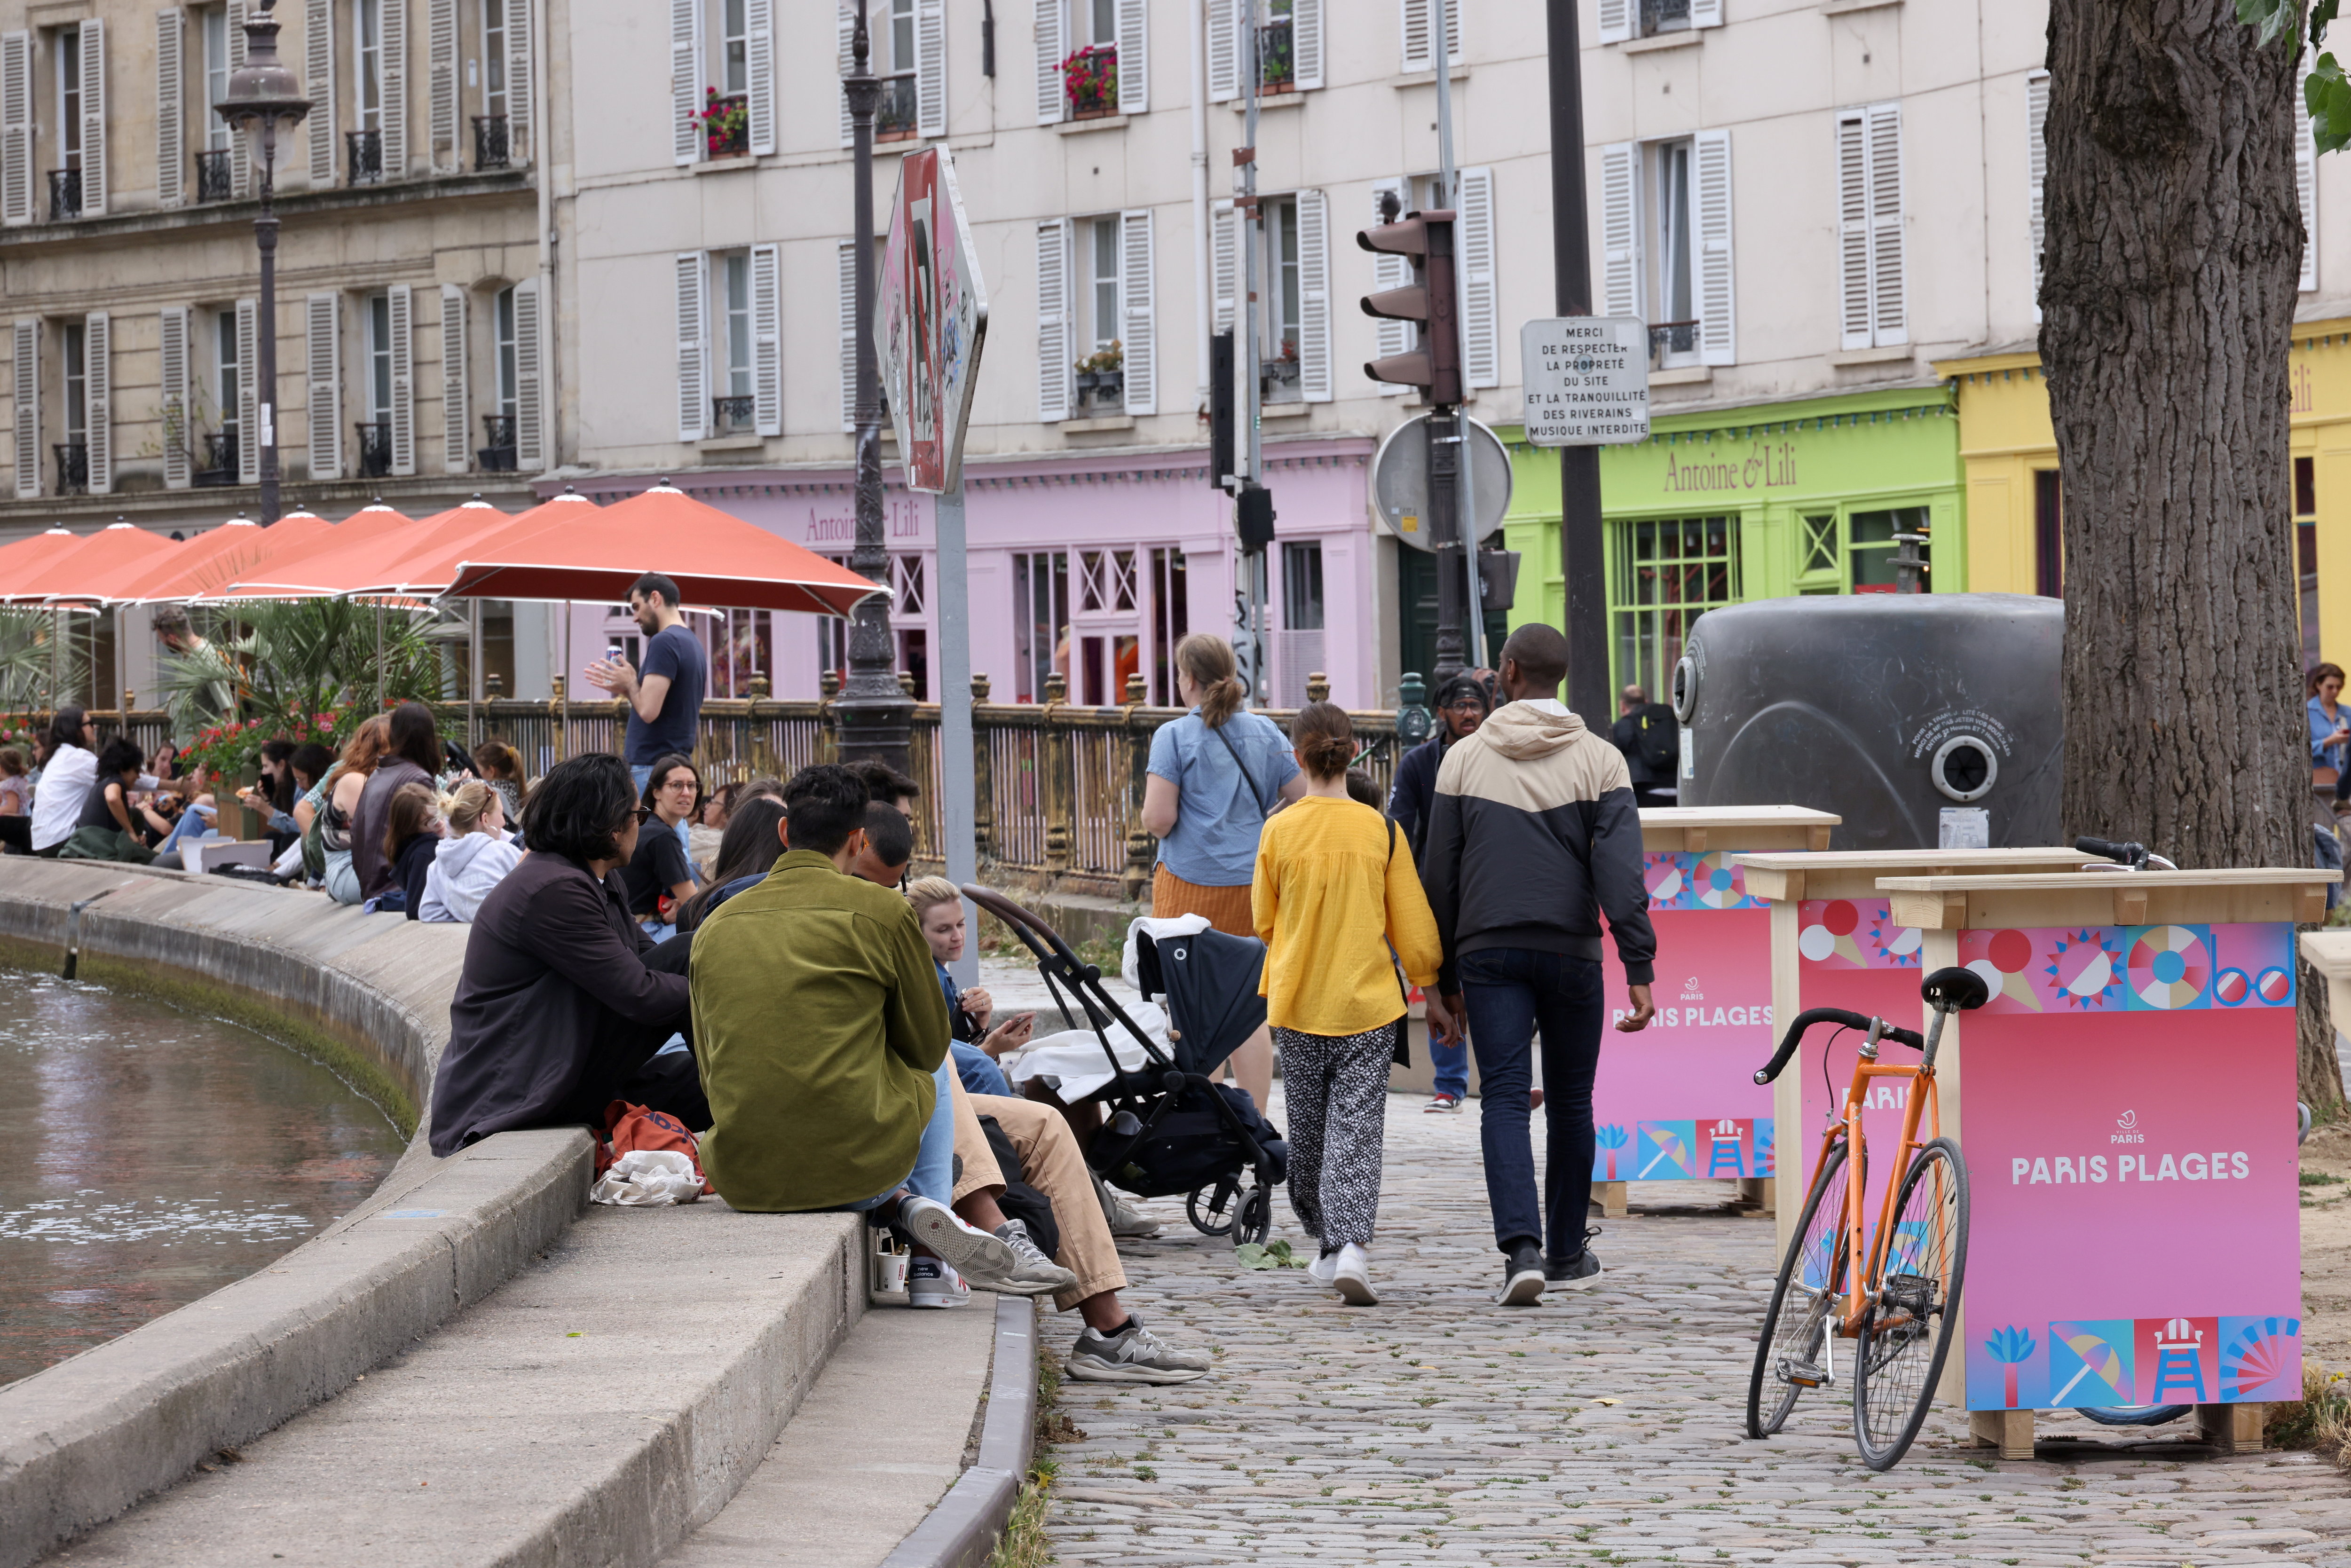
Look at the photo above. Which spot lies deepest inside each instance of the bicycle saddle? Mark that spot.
(1954, 991)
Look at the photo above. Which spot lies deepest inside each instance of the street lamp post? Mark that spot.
(263, 97)
(873, 714)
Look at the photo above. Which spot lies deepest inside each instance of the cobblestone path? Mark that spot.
(1437, 1427)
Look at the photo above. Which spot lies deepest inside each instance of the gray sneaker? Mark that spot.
(1123, 1221)
(1032, 1273)
(982, 1259)
(1134, 1355)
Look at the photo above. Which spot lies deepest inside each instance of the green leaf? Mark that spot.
(1253, 1255)
(2328, 94)
(2275, 19)
(2322, 15)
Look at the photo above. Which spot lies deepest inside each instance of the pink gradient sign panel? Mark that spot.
(1678, 1100)
(1851, 954)
(2130, 1140)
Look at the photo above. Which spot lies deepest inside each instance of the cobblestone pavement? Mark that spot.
(1437, 1427)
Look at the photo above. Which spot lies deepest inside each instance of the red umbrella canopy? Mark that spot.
(94, 566)
(714, 556)
(21, 556)
(213, 558)
(430, 563)
(321, 565)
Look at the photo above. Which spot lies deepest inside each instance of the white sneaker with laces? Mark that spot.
(1351, 1276)
(931, 1283)
(1321, 1270)
(1134, 1355)
(970, 1250)
(1035, 1274)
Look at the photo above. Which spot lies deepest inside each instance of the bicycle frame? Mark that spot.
(1864, 1252)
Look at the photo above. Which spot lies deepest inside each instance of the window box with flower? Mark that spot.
(725, 124)
(1090, 79)
(1101, 379)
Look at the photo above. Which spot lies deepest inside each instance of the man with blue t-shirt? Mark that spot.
(664, 692)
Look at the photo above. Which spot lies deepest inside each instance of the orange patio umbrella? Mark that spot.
(714, 556)
(212, 560)
(22, 555)
(89, 569)
(310, 566)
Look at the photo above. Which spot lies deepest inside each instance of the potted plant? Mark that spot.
(1102, 375)
(1090, 77)
(725, 124)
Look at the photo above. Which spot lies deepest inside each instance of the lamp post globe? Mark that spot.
(263, 97)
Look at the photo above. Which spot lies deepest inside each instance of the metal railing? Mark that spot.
(1667, 337)
(220, 460)
(1664, 15)
(366, 155)
(497, 455)
(492, 149)
(732, 415)
(73, 467)
(723, 139)
(1089, 85)
(899, 114)
(375, 447)
(215, 180)
(1275, 52)
(65, 193)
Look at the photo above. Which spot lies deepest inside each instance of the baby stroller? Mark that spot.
(1170, 1129)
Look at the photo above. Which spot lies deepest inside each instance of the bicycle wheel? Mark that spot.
(1906, 1330)
(1789, 1353)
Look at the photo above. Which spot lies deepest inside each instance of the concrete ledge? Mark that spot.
(961, 1532)
(87, 1438)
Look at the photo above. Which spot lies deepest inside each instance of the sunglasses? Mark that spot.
(643, 814)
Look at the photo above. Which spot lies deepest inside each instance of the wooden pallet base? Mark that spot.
(2229, 1428)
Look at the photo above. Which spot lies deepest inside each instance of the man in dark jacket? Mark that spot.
(1650, 738)
(1461, 707)
(563, 1000)
(1534, 838)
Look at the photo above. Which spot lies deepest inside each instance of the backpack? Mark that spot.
(1658, 739)
(628, 1127)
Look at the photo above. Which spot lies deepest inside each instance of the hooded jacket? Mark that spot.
(1532, 836)
(463, 871)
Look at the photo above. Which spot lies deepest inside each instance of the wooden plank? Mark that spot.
(1737, 817)
(1819, 836)
(1991, 907)
(1611, 1198)
(1694, 840)
(2130, 906)
(2232, 1428)
(2009, 1431)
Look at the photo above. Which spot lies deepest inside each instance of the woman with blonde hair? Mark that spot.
(340, 792)
(474, 858)
(1214, 776)
(1337, 900)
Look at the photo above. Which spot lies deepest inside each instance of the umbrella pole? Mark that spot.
(379, 658)
(474, 680)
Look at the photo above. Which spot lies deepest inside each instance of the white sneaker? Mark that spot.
(967, 1249)
(1351, 1275)
(931, 1283)
(1323, 1268)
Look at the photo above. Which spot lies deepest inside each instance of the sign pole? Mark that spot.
(957, 774)
(1473, 623)
(1581, 532)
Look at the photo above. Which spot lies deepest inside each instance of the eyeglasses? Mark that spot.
(643, 814)
(688, 785)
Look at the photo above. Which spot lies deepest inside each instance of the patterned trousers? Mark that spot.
(1336, 1091)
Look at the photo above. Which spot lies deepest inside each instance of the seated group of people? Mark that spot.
(815, 1020)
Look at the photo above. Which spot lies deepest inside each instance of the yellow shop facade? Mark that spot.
(2008, 452)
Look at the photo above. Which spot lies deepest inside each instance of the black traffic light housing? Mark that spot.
(1431, 302)
(1253, 518)
(1221, 408)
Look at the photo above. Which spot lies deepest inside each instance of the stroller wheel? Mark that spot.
(1212, 1210)
(1255, 1222)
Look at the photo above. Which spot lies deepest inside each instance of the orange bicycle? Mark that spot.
(1890, 1289)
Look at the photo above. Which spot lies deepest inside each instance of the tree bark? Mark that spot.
(2171, 267)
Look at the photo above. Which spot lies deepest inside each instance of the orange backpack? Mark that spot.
(631, 1127)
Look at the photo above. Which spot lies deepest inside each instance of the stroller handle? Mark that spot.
(1039, 937)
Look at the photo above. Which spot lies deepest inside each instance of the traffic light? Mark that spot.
(1221, 408)
(1430, 302)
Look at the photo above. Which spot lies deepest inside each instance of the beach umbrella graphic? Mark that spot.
(1610, 1140)
(1670, 1149)
(2099, 1360)
(2169, 966)
(2009, 1346)
(2082, 970)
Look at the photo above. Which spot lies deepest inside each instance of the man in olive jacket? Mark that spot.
(820, 1026)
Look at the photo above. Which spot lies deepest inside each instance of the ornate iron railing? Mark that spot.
(220, 459)
(491, 149)
(215, 182)
(366, 148)
(375, 447)
(497, 453)
(65, 193)
(73, 467)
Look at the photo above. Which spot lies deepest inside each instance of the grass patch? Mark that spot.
(2320, 1421)
(2319, 1179)
(1023, 1543)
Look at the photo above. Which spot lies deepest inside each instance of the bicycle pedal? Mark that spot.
(1801, 1375)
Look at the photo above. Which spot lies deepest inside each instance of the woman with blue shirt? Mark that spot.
(1214, 776)
(2330, 734)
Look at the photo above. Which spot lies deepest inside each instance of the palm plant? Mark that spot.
(35, 664)
(276, 660)
(1610, 1140)
(2008, 1346)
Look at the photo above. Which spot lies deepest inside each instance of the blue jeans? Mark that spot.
(1511, 993)
(1452, 1065)
(934, 1175)
(195, 822)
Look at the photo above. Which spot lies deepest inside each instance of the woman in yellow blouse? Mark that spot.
(1337, 902)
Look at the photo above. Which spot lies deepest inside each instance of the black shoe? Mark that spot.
(1573, 1273)
(1523, 1277)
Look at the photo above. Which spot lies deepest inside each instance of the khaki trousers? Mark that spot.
(1048, 1154)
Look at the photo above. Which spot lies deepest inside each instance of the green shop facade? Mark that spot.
(1760, 501)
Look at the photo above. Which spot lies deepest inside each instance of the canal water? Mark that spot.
(149, 1157)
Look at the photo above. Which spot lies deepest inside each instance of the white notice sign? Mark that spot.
(1587, 379)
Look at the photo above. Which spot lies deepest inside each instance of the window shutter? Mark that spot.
(456, 444)
(1620, 229)
(25, 382)
(171, 112)
(1889, 307)
(848, 305)
(16, 127)
(403, 312)
(325, 359)
(97, 399)
(1706, 13)
(1718, 327)
(2036, 172)
(931, 68)
(759, 67)
(93, 124)
(1390, 270)
(395, 87)
(1314, 296)
(1052, 102)
(441, 81)
(693, 376)
(1053, 366)
(1852, 228)
(1419, 18)
(179, 439)
(844, 26)
(1225, 265)
(1224, 50)
(2306, 187)
(520, 63)
(248, 412)
(685, 80)
(319, 81)
(1306, 44)
(1481, 316)
(768, 339)
(533, 442)
(1133, 56)
(1137, 332)
(240, 156)
(1615, 21)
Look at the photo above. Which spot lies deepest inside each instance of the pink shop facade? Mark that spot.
(1091, 567)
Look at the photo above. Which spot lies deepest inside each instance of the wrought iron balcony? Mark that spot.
(1663, 17)
(73, 467)
(731, 415)
(215, 182)
(1090, 79)
(898, 115)
(1277, 380)
(497, 455)
(491, 147)
(1668, 339)
(375, 448)
(1274, 51)
(366, 151)
(65, 193)
(220, 460)
(1102, 391)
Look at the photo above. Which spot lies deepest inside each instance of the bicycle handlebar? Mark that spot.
(1811, 1016)
(2130, 854)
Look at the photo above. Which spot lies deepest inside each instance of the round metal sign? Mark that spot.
(1400, 480)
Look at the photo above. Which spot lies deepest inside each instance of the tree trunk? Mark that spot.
(2169, 273)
